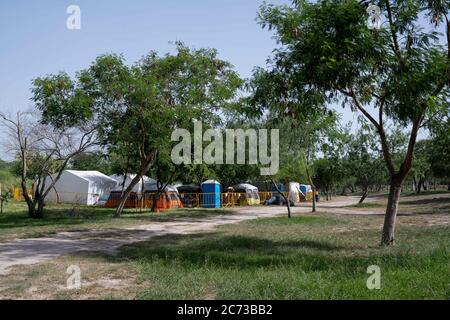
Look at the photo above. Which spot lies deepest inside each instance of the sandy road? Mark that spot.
(31, 251)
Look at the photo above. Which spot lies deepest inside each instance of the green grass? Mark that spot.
(305, 220)
(15, 223)
(7, 179)
(305, 258)
(424, 193)
(406, 193)
(368, 205)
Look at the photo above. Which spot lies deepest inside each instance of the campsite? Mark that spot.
(281, 150)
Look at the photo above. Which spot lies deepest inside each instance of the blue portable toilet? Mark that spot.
(274, 190)
(304, 188)
(211, 194)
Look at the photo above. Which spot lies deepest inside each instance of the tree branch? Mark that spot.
(395, 45)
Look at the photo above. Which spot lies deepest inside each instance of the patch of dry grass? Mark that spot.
(102, 277)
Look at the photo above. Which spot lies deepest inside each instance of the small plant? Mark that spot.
(4, 197)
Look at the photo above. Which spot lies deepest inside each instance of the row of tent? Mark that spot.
(96, 188)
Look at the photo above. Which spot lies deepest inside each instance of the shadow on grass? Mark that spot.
(244, 252)
(215, 250)
(427, 201)
(423, 193)
(367, 205)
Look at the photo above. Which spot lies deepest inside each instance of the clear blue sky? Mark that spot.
(36, 42)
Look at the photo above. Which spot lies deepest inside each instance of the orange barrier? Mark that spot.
(164, 201)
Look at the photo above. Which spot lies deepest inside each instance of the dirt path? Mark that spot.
(30, 251)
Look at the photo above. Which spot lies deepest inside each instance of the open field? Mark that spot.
(320, 256)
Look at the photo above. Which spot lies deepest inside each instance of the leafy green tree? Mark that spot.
(328, 174)
(91, 161)
(421, 169)
(439, 151)
(365, 161)
(4, 198)
(197, 173)
(136, 108)
(302, 118)
(401, 69)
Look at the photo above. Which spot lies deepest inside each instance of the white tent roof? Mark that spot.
(153, 187)
(246, 186)
(119, 177)
(120, 180)
(211, 182)
(91, 176)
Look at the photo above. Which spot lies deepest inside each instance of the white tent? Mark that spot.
(153, 187)
(80, 187)
(120, 183)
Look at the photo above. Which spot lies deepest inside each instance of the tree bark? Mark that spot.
(419, 187)
(364, 195)
(288, 206)
(313, 188)
(387, 237)
(143, 169)
(390, 217)
(39, 212)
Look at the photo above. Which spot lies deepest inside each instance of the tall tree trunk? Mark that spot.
(23, 184)
(391, 212)
(313, 188)
(39, 212)
(142, 170)
(125, 196)
(142, 194)
(419, 186)
(288, 205)
(364, 196)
